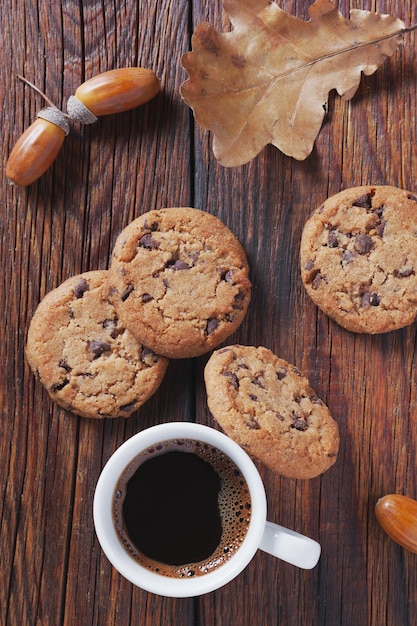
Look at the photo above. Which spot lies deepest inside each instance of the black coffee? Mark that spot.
(182, 508)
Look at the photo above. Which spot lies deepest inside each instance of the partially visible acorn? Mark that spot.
(38, 147)
(397, 515)
(111, 92)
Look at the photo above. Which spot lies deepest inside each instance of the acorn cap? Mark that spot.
(55, 116)
(79, 112)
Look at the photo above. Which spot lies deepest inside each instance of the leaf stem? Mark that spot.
(409, 29)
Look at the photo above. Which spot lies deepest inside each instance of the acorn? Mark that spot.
(38, 147)
(397, 515)
(114, 91)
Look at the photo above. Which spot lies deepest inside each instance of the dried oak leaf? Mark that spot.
(269, 78)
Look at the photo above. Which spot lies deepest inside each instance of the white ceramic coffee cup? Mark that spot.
(272, 538)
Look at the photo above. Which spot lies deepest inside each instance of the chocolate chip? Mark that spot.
(240, 296)
(212, 324)
(332, 240)
(363, 243)
(153, 226)
(348, 256)
(64, 364)
(365, 299)
(253, 397)
(257, 381)
(404, 273)
(127, 408)
(178, 264)
(252, 424)
(281, 373)
(99, 347)
(80, 288)
(126, 293)
(110, 325)
(364, 202)
(146, 297)
(228, 277)
(380, 227)
(316, 400)
(370, 299)
(148, 242)
(148, 357)
(233, 379)
(411, 196)
(317, 280)
(60, 385)
(299, 422)
(308, 265)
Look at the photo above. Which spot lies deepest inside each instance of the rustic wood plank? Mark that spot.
(361, 142)
(52, 569)
(64, 224)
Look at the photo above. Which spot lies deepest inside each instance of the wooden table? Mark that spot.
(52, 568)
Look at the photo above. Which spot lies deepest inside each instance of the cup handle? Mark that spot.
(290, 546)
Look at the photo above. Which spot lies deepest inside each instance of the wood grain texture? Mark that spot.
(52, 570)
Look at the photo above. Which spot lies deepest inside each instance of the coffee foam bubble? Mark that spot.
(233, 500)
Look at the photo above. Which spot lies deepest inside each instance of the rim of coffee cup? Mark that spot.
(109, 539)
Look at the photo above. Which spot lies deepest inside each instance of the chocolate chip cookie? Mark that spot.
(179, 281)
(359, 258)
(84, 356)
(269, 408)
